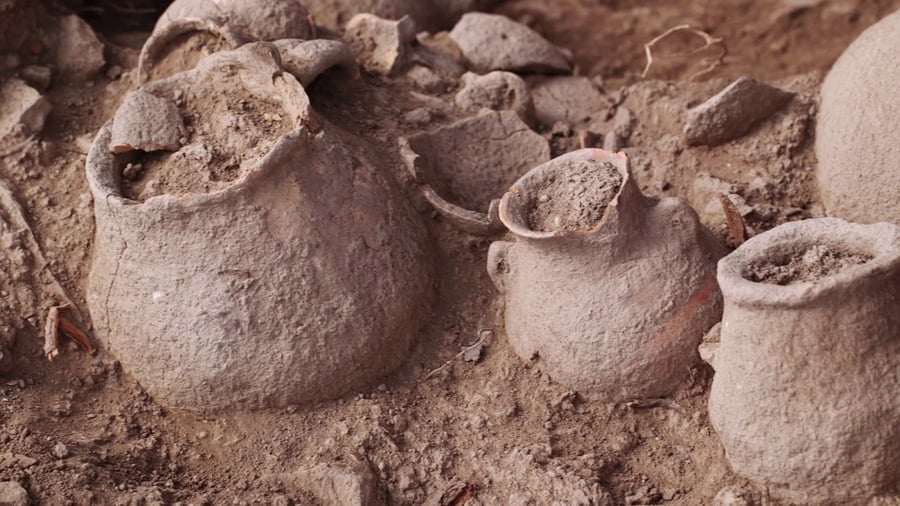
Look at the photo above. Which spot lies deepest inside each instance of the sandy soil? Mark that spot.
(90, 435)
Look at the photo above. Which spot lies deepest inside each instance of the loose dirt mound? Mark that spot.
(817, 262)
(577, 200)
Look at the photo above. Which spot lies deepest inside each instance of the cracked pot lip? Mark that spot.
(882, 240)
(518, 196)
(104, 179)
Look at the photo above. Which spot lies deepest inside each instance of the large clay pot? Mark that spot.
(615, 310)
(305, 278)
(806, 394)
(857, 130)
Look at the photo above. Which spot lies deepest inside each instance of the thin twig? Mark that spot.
(707, 38)
(482, 335)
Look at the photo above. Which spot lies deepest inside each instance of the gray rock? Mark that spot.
(308, 59)
(148, 123)
(426, 79)
(733, 112)
(495, 42)
(351, 484)
(12, 494)
(381, 45)
(733, 496)
(37, 76)
(22, 109)
(496, 90)
(79, 52)
(570, 99)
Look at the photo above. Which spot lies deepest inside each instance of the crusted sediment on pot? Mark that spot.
(576, 199)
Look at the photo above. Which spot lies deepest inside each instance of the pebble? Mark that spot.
(381, 46)
(13, 494)
(60, 451)
(23, 110)
(79, 52)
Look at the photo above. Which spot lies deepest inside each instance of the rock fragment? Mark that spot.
(733, 112)
(37, 76)
(308, 59)
(22, 109)
(352, 484)
(79, 53)
(570, 99)
(495, 42)
(146, 122)
(498, 91)
(13, 494)
(733, 496)
(381, 45)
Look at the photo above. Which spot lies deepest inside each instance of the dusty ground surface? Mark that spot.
(80, 431)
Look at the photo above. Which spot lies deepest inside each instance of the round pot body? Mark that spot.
(807, 387)
(307, 277)
(857, 128)
(615, 312)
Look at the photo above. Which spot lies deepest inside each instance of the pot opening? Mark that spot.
(228, 131)
(574, 198)
(184, 52)
(805, 263)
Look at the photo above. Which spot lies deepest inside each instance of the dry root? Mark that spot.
(482, 336)
(708, 40)
(55, 323)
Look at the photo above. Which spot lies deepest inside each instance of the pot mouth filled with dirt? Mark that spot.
(572, 194)
(205, 130)
(798, 262)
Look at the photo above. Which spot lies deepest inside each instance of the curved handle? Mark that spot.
(498, 263)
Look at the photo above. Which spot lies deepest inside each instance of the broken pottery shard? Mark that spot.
(352, 484)
(495, 42)
(498, 91)
(464, 168)
(570, 99)
(308, 59)
(733, 112)
(148, 123)
(22, 109)
(381, 45)
(79, 53)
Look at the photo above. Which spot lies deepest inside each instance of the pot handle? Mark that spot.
(498, 264)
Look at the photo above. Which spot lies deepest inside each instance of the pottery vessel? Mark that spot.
(303, 279)
(857, 128)
(807, 387)
(615, 311)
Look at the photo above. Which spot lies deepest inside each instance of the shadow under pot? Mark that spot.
(807, 387)
(241, 281)
(609, 290)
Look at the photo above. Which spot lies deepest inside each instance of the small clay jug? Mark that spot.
(616, 305)
(806, 394)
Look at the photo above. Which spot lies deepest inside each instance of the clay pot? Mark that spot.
(615, 309)
(807, 387)
(304, 278)
(857, 129)
(232, 22)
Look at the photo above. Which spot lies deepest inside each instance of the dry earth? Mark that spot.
(484, 425)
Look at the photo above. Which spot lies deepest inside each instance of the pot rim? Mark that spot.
(882, 240)
(518, 225)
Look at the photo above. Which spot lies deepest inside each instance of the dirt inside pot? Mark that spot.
(230, 131)
(575, 199)
(183, 52)
(805, 265)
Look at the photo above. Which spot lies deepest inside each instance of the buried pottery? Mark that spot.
(805, 395)
(857, 128)
(608, 289)
(234, 291)
(228, 24)
(464, 185)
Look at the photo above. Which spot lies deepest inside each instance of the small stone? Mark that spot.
(709, 347)
(37, 76)
(495, 42)
(496, 90)
(644, 495)
(612, 142)
(148, 123)
(16, 461)
(12, 494)
(381, 45)
(733, 496)
(623, 122)
(733, 112)
(114, 72)
(571, 99)
(79, 52)
(22, 110)
(352, 483)
(60, 451)
(132, 171)
(426, 80)
(473, 354)
(418, 116)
